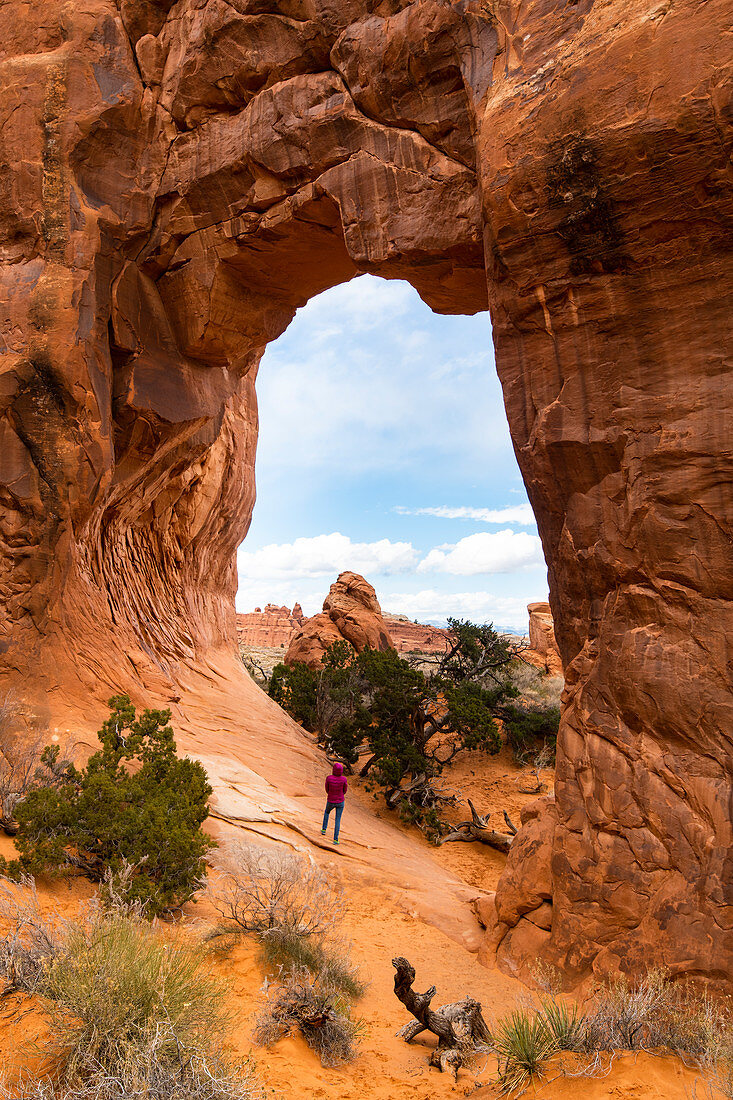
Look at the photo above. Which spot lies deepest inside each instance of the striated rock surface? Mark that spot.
(542, 645)
(271, 626)
(351, 613)
(178, 178)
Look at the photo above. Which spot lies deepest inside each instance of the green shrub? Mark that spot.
(136, 804)
(294, 688)
(530, 730)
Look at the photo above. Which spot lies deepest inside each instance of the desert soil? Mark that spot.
(380, 922)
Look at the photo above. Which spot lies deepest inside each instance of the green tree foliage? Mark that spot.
(135, 803)
(294, 688)
(409, 722)
(531, 730)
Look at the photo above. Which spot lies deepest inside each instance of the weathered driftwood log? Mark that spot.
(478, 829)
(460, 1028)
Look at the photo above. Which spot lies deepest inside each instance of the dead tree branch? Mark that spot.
(460, 1028)
(478, 829)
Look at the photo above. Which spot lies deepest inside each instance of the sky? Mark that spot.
(384, 449)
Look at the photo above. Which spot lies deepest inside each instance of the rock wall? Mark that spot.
(409, 637)
(271, 626)
(351, 613)
(178, 178)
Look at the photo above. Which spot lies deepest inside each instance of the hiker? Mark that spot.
(336, 786)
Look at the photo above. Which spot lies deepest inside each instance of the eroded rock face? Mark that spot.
(273, 626)
(409, 637)
(542, 644)
(177, 179)
(351, 613)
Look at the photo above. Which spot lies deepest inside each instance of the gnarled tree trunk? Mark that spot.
(459, 1027)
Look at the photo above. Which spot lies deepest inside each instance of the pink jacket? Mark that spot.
(336, 785)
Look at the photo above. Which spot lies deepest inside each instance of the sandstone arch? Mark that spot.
(178, 178)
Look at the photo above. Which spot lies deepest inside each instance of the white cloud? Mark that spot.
(326, 556)
(366, 379)
(363, 303)
(516, 513)
(486, 552)
(429, 605)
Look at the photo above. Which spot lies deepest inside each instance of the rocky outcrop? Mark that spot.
(273, 626)
(178, 179)
(351, 613)
(409, 637)
(543, 649)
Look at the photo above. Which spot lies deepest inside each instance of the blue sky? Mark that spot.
(384, 449)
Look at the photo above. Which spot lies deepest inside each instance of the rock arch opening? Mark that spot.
(177, 179)
(383, 448)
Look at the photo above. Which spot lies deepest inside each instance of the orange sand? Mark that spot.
(387, 1068)
(403, 896)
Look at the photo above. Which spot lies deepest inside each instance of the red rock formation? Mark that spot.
(409, 637)
(543, 651)
(177, 180)
(351, 613)
(275, 626)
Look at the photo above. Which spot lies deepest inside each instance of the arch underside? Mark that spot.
(178, 179)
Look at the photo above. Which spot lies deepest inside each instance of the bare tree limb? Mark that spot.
(478, 829)
(460, 1027)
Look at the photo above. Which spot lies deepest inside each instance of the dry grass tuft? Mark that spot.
(307, 1003)
(133, 1014)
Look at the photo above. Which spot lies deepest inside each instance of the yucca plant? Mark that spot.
(564, 1024)
(523, 1045)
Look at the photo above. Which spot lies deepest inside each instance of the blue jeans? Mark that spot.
(339, 808)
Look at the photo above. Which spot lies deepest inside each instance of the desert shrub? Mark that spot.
(328, 958)
(132, 1014)
(134, 804)
(145, 1071)
(307, 1003)
(32, 938)
(651, 1013)
(523, 1046)
(261, 891)
(717, 1065)
(535, 686)
(117, 983)
(655, 1012)
(287, 902)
